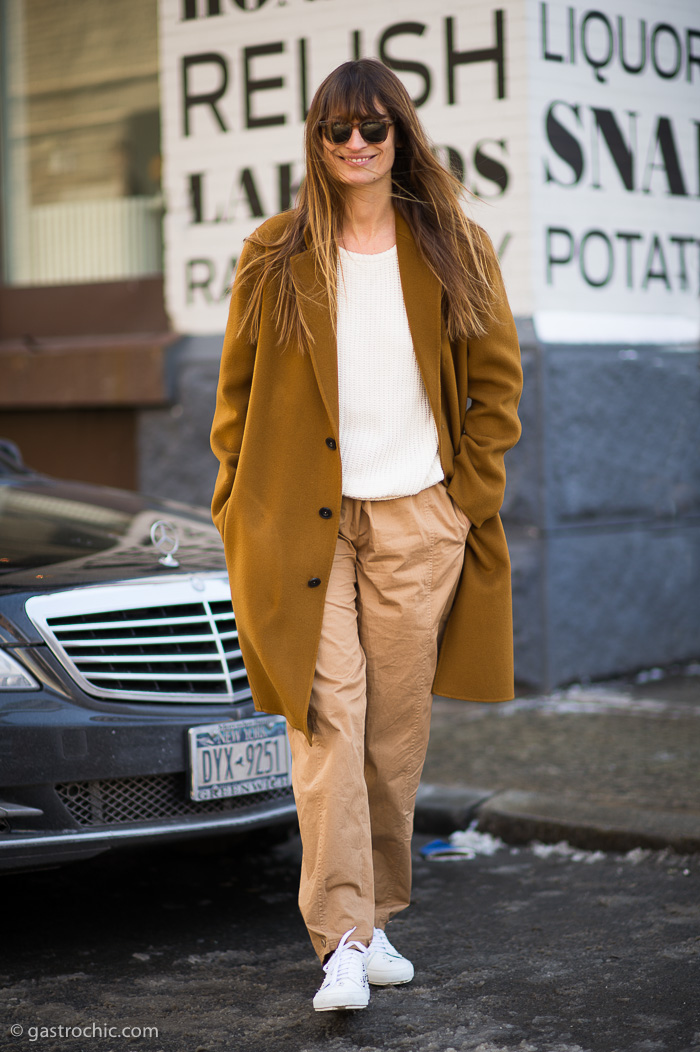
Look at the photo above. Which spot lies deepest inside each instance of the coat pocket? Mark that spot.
(462, 519)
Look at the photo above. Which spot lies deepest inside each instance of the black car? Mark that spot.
(125, 711)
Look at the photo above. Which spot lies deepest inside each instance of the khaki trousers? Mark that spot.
(394, 577)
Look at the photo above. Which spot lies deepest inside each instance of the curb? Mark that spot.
(519, 817)
(443, 809)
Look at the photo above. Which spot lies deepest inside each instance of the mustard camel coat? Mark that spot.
(275, 433)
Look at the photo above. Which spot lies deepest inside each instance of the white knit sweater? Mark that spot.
(388, 437)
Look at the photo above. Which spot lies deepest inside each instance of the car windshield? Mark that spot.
(38, 527)
(45, 521)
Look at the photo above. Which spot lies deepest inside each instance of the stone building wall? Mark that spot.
(602, 507)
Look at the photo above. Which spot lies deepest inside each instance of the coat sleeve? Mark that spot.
(491, 424)
(233, 392)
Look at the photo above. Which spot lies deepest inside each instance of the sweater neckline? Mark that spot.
(368, 256)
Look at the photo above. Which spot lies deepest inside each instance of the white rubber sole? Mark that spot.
(389, 982)
(340, 1008)
(401, 973)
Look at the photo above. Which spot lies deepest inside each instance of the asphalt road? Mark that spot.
(524, 949)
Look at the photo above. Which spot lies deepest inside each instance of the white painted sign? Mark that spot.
(614, 103)
(235, 87)
(578, 128)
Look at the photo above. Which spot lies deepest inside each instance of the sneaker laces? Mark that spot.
(380, 944)
(341, 963)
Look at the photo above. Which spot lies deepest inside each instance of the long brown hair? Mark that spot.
(425, 193)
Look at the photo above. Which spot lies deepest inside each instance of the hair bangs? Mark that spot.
(353, 93)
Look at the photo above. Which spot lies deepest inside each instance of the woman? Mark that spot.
(352, 479)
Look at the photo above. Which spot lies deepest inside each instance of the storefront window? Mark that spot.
(81, 141)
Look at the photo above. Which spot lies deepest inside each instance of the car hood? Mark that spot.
(56, 534)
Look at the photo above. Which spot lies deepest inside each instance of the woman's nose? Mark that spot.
(356, 142)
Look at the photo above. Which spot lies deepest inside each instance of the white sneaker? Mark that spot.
(345, 985)
(385, 965)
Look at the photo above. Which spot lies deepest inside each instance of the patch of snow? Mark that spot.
(649, 675)
(565, 850)
(638, 854)
(475, 842)
(466, 844)
(591, 701)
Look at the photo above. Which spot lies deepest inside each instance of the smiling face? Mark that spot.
(356, 163)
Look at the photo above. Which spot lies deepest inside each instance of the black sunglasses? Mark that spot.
(373, 130)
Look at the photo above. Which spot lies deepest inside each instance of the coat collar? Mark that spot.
(422, 297)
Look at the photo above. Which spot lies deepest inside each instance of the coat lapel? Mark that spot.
(323, 352)
(422, 297)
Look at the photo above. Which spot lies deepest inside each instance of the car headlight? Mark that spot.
(14, 676)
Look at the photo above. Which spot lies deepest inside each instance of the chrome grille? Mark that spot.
(163, 640)
(115, 801)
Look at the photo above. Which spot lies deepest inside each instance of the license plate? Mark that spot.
(239, 757)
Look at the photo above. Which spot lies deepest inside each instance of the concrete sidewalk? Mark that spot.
(611, 766)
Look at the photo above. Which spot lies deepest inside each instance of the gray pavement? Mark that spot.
(611, 766)
(200, 947)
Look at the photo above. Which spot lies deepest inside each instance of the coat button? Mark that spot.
(325, 513)
(314, 582)
(331, 443)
